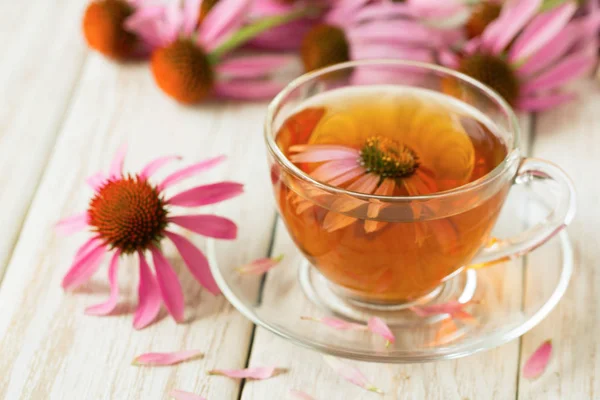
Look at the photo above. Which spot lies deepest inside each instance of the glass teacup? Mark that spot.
(394, 249)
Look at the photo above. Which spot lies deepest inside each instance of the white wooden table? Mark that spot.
(63, 113)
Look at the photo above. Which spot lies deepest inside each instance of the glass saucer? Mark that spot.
(507, 299)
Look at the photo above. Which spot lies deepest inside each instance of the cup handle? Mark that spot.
(535, 169)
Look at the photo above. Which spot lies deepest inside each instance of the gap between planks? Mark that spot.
(261, 289)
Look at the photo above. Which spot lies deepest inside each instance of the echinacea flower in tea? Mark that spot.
(366, 198)
(128, 215)
(527, 56)
(191, 61)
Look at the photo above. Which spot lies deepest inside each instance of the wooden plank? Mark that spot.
(43, 54)
(49, 348)
(569, 137)
(488, 375)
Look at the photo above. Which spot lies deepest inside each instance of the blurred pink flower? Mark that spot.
(447, 13)
(190, 62)
(527, 56)
(362, 29)
(288, 36)
(128, 214)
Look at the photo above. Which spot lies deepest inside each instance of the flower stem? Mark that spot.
(251, 31)
(550, 4)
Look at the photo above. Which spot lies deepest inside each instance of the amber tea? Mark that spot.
(388, 141)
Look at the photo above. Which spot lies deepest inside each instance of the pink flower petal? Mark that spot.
(173, 21)
(244, 89)
(345, 11)
(515, 15)
(255, 66)
(395, 32)
(83, 268)
(333, 169)
(72, 224)
(386, 188)
(449, 59)
(155, 165)
(87, 246)
(347, 177)
(544, 101)
(169, 285)
(257, 373)
(538, 361)
(196, 262)
(97, 180)
(321, 153)
(191, 12)
(181, 395)
(555, 49)
(116, 166)
(109, 305)
(190, 171)
(540, 31)
(260, 266)
(439, 11)
(452, 308)
(167, 358)
(224, 18)
(351, 374)
(207, 225)
(335, 220)
(379, 327)
(293, 32)
(207, 194)
(148, 24)
(338, 324)
(569, 68)
(149, 299)
(300, 395)
(380, 11)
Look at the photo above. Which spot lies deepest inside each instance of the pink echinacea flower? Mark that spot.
(130, 215)
(527, 56)
(191, 59)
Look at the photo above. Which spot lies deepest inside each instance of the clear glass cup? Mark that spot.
(425, 255)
